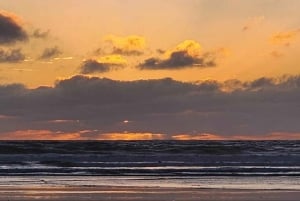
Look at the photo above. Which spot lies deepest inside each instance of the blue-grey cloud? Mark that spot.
(11, 56)
(178, 60)
(159, 106)
(92, 66)
(49, 53)
(10, 30)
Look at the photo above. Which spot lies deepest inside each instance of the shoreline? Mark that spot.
(117, 193)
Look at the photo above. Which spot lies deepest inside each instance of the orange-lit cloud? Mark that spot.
(113, 59)
(201, 136)
(79, 135)
(129, 45)
(39, 135)
(208, 136)
(191, 47)
(96, 135)
(131, 136)
(271, 136)
(186, 54)
(284, 38)
(17, 19)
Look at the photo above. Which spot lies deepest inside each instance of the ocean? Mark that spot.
(193, 164)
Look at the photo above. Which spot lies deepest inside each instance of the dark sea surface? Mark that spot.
(188, 163)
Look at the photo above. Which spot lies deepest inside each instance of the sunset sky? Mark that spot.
(149, 69)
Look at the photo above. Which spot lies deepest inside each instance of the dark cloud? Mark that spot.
(127, 52)
(92, 66)
(11, 56)
(109, 63)
(41, 34)
(178, 60)
(49, 53)
(159, 106)
(10, 30)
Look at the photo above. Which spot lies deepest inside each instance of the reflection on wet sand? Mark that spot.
(144, 194)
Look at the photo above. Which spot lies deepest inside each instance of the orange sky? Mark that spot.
(252, 38)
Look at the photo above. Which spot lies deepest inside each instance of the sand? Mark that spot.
(143, 194)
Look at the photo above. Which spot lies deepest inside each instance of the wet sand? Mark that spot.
(143, 194)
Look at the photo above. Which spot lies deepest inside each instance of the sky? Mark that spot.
(141, 69)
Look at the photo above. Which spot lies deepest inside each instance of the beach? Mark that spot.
(144, 194)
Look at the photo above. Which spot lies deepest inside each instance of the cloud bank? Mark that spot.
(165, 106)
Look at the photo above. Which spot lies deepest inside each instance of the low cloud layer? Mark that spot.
(165, 106)
(11, 30)
(11, 56)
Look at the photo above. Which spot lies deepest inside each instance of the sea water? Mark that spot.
(191, 164)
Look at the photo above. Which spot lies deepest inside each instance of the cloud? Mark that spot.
(185, 55)
(49, 53)
(129, 45)
(79, 135)
(41, 34)
(11, 56)
(131, 136)
(284, 38)
(178, 110)
(201, 136)
(92, 66)
(208, 136)
(39, 135)
(11, 30)
(96, 135)
(113, 59)
(102, 64)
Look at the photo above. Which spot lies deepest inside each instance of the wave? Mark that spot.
(160, 158)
